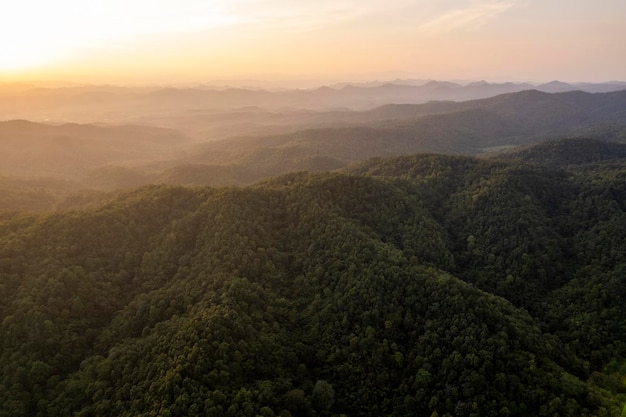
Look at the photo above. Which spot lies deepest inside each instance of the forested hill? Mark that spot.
(572, 152)
(421, 285)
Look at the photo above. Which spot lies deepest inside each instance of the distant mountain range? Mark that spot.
(472, 127)
(464, 258)
(113, 157)
(122, 105)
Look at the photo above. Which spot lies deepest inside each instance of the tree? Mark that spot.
(323, 397)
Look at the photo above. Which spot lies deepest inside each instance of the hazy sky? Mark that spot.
(170, 41)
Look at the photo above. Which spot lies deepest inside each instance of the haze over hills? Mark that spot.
(484, 277)
(110, 157)
(69, 151)
(124, 105)
(270, 208)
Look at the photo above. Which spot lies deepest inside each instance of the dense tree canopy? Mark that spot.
(421, 285)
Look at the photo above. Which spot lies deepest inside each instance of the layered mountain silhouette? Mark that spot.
(240, 252)
(110, 157)
(127, 105)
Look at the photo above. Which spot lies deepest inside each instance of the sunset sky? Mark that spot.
(176, 41)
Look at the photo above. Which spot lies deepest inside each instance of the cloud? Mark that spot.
(471, 17)
(313, 15)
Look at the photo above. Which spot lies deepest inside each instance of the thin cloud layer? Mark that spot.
(473, 16)
(195, 39)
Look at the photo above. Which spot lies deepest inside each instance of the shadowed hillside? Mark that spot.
(425, 284)
(572, 152)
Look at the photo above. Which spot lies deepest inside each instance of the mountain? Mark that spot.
(415, 285)
(567, 152)
(601, 87)
(69, 151)
(113, 157)
(472, 127)
(556, 87)
(119, 105)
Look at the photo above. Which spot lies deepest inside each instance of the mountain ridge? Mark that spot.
(121, 104)
(422, 284)
(111, 157)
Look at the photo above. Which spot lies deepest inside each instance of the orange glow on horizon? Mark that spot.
(163, 41)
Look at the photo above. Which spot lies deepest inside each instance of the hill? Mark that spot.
(472, 127)
(69, 151)
(123, 105)
(120, 157)
(567, 152)
(415, 285)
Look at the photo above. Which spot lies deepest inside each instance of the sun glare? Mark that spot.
(37, 33)
(28, 51)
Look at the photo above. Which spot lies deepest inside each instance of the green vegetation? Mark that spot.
(573, 152)
(420, 285)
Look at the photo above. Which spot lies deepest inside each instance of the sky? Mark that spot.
(131, 42)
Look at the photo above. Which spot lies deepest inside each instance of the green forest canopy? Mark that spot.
(418, 285)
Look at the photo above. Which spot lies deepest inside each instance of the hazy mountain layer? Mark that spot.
(112, 157)
(123, 105)
(472, 127)
(70, 151)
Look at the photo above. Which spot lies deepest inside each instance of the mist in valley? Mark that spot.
(108, 138)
